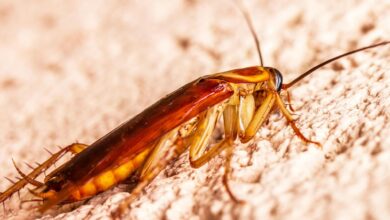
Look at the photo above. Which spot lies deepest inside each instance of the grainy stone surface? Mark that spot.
(74, 70)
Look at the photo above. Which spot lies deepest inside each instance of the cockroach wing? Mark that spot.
(135, 135)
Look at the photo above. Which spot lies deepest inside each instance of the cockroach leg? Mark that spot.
(291, 122)
(74, 148)
(201, 137)
(30, 178)
(211, 153)
(250, 122)
(161, 148)
(231, 125)
(230, 121)
(247, 109)
(30, 166)
(42, 195)
(225, 178)
(260, 116)
(26, 177)
(10, 180)
(199, 140)
(156, 162)
(289, 101)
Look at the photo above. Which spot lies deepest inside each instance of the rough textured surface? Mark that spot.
(75, 70)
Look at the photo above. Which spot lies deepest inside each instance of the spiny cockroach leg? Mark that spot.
(26, 177)
(27, 164)
(74, 148)
(291, 122)
(37, 171)
(13, 182)
(47, 150)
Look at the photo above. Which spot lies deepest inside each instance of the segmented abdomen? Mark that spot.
(108, 179)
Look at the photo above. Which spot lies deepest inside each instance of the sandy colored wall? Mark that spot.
(72, 70)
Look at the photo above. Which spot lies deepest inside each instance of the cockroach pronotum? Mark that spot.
(183, 120)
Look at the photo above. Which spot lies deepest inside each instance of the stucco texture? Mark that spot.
(74, 70)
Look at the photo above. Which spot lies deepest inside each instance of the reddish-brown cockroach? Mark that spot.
(185, 119)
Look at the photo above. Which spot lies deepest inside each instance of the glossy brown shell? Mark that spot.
(133, 136)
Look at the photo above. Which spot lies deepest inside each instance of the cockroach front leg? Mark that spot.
(291, 122)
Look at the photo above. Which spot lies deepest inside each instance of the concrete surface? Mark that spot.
(74, 70)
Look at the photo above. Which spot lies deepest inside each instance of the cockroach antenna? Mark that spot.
(308, 72)
(251, 28)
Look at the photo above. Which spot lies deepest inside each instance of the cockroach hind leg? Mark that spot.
(76, 148)
(48, 151)
(26, 177)
(10, 180)
(38, 170)
(30, 166)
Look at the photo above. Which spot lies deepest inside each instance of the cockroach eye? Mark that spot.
(278, 78)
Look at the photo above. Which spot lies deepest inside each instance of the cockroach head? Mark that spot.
(277, 77)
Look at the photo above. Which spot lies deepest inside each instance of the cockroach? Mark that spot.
(183, 120)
